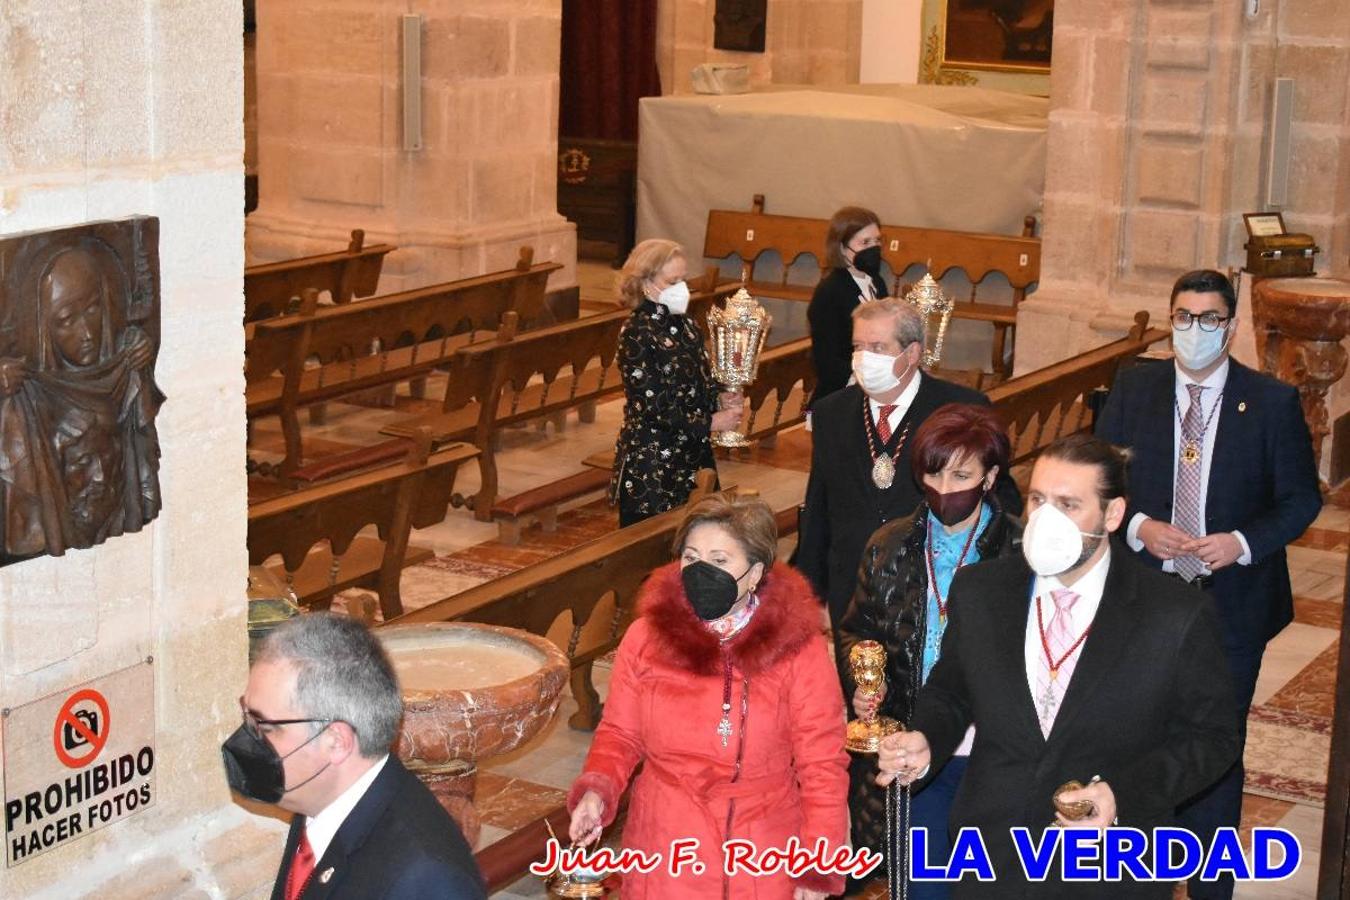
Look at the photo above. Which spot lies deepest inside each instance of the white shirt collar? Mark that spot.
(903, 402)
(322, 828)
(1215, 380)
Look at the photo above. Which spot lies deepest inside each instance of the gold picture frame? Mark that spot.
(1002, 44)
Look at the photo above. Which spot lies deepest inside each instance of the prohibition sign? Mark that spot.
(95, 740)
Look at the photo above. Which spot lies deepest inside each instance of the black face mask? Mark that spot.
(254, 769)
(868, 260)
(712, 592)
(954, 506)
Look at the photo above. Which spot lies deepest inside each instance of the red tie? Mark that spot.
(884, 423)
(301, 868)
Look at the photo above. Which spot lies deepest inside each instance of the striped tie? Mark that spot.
(1187, 514)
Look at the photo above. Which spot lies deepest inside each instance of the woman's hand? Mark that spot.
(865, 704)
(726, 419)
(731, 400)
(586, 819)
(802, 893)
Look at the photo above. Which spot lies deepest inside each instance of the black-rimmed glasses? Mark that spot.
(255, 724)
(1209, 321)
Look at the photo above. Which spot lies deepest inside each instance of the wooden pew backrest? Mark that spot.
(1051, 403)
(271, 288)
(413, 493)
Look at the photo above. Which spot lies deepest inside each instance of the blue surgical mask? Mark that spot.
(1195, 348)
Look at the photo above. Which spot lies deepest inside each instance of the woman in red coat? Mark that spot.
(724, 690)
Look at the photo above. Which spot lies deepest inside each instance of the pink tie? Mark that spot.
(1187, 514)
(1059, 656)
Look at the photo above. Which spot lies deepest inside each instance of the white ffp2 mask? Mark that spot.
(675, 298)
(1052, 543)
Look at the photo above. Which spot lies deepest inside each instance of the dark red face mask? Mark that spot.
(953, 507)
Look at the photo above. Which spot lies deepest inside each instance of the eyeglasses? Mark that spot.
(1210, 321)
(258, 726)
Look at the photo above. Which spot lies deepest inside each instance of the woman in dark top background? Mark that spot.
(853, 253)
(671, 406)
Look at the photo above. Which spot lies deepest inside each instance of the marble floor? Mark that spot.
(1287, 752)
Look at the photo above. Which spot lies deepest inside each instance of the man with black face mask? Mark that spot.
(320, 713)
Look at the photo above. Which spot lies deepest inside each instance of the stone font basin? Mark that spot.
(472, 691)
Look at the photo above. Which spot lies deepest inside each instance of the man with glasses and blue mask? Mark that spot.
(320, 713)
(1222, 479)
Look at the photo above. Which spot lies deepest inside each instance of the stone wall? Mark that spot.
(330, 135)
(1158, 131)
(806, 42)
(111, 109)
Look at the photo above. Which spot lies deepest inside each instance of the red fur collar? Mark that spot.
(788, 616)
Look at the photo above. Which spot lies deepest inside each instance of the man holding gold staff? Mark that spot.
(1074, 662)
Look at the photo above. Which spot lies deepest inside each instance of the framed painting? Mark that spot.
(1004, 44)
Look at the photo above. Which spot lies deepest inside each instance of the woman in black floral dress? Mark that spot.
(672, 401)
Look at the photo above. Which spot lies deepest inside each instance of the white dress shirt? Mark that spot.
(901, 404)
(1089, 590)
(322, 828)
(1209, 399)
(867, 289)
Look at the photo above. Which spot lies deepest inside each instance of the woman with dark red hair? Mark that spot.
(901, 601)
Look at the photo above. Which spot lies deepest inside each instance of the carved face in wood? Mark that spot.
(74, 298)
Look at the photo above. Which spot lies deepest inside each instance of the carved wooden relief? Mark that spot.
(739, 25)
(79, 334)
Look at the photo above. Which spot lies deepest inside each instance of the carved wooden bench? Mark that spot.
(750, 235)
(411, 493)
(1047, 404)
(321, 354)
(274, 289)
(513, 513)
(594, 586)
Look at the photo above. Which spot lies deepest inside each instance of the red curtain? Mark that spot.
(608, 62)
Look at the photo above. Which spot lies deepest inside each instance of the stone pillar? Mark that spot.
(806, 42)
(111, 109)
(330, 135)
(1158, 131)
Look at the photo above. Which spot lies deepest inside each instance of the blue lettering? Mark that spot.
(919, 869)
(1124, 852)
(1081, 853)
(1225, 855)
(1035, 858)
(1262, 840)
(1177, 854)
(969, 855)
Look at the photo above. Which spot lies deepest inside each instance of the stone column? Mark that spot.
(111, 109)
(1158, 130)
(330, 135)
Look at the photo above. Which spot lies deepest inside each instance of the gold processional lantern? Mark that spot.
(738, 335)
(936, 309)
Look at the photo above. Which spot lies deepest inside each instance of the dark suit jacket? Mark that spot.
(1150, 709)
(843, 506)
(831, 317)
(1262, 482)
(396, 844)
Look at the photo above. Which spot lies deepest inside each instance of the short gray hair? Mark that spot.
(342, 674)
(908, 322)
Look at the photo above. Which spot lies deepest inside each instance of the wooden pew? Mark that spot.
(412, 493)
(978, 255)
(1042, 406)
(750, 235)
(777, 400)
(272, 289)
(602, 576)
(515, 378)
(415, 332)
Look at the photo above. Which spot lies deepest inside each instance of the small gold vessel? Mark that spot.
(867, 663)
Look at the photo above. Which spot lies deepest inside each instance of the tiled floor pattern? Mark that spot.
(1287, 749)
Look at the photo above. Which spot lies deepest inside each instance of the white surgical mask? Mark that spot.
(1196, 349)
(1052, 543)
(875, 372)
(675, 298)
